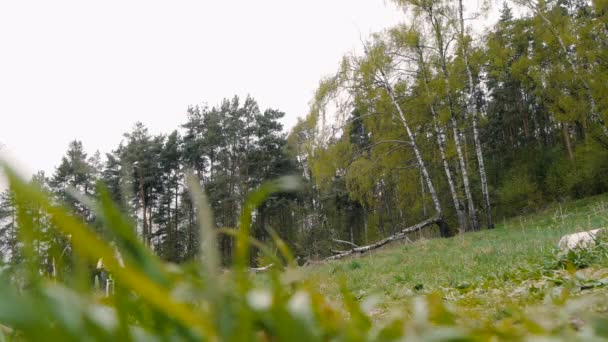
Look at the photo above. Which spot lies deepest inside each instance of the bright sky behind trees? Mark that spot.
(90, 70)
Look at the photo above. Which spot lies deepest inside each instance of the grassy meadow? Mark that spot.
(487, 274)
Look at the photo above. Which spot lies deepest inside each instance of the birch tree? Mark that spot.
(472, 109)
(411, 39)
(382, 74)
(442, 45)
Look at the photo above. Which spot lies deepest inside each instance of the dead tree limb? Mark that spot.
(267, 267)
(345, 242)
(260, 269)
(399, 236)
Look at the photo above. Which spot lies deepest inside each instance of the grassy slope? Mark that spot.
(487, 274)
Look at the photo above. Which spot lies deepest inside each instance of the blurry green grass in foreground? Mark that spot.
(157, 301)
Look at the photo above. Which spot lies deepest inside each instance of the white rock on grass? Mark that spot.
(579, 240)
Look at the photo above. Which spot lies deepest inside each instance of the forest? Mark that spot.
(432, 122)
(466, 149)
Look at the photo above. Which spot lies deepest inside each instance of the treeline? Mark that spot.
(232, 148)
(434, 120)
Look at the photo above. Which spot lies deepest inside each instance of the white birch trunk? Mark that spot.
(417, 153)
(444, 229)
(472, 108)
(465, 173)
(441, 144)
(463, 167)
(423, 193)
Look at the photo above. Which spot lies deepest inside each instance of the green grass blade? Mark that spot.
(209, 248)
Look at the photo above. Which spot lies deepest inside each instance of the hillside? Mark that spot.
(488, 276)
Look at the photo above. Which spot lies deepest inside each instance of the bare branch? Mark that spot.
(345, 242)
(409, 143)
(260, 269)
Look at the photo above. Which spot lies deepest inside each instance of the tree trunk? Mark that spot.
(472, 106)
(474, 225)
(150, 225)
(458, 205)
(422, 191)
(443, 227)
(441, 144)
(482, 174)
(387, 207)
(170, 236)
(176, 218)
(463, 166)
(142, 195)
(567, 141)
(84, 209)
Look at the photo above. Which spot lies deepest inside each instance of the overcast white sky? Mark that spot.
(89, 70)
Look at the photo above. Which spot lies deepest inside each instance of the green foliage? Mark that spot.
(354, 265)
(585, 176)
(519, 193)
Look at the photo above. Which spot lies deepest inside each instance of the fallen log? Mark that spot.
(398, 236)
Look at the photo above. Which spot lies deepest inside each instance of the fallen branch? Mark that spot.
(399, 236)
(260, 269)
(267, 267)
(345, 242)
